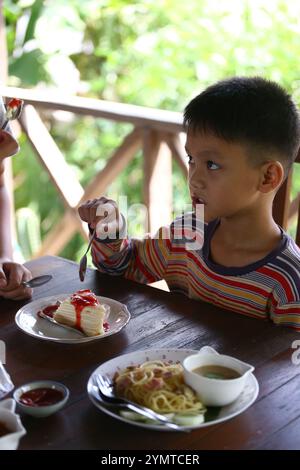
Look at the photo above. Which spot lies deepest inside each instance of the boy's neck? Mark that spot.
(249, 233)
(244, 240)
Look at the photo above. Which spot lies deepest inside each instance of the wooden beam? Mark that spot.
(140, 116)
(51, 157)
(157, 180)
(175, 145)
(115, 165)
(60, 235)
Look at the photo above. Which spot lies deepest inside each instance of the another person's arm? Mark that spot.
(5, 222)
(11, 274)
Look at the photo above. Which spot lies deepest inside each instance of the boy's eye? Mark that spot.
(190, 159)
(212, 165)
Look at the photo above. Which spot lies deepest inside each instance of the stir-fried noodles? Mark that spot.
(159, 386)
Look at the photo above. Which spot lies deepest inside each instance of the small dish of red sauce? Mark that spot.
(41, 398)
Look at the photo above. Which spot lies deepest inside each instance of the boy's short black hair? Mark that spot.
(252, 111)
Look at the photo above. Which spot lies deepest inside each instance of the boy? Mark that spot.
(11, 274)
(243, 135)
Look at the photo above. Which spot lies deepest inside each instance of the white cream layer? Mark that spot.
(92, 317)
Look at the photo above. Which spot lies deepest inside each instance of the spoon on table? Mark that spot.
(83, 261)
(37, 281)
(13, 111)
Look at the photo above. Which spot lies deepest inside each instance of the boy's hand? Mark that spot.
(11, 276)
(8, 145)
(103, 215)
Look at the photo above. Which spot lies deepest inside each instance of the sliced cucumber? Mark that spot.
(181, 419)
(188, 420)
(133, 416)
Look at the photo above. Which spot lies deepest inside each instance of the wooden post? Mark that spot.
(177, 149)
(157, 180)
(298, 228)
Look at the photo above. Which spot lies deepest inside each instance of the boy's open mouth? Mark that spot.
(197, 200)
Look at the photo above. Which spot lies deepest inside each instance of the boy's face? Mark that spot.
(220, 176)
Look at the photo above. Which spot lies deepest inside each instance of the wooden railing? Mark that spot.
(154, 131)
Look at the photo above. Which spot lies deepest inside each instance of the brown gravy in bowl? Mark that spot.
(216, 372)
(4, 430)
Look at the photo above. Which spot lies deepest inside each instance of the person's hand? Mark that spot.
(8, 144)
(103, 215)
(11, 276)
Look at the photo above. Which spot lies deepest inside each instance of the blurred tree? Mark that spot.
(150, 53)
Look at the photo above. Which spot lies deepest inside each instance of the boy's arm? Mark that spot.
(143, 260)
(140, 260)
(285, 311)
(148, 259)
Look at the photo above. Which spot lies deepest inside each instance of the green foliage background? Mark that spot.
(156, 53)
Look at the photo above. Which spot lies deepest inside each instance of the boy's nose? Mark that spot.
(196, 183)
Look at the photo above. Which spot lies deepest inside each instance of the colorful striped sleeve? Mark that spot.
(142, 260)
(284, 301)
(285, 314)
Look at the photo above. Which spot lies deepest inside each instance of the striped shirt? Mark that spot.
(266, 289)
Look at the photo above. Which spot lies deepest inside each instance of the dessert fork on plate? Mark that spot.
(54, 322)
(106, 393)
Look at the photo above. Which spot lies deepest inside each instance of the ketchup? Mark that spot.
(41, 397)
(14, 103)
(49, 310)
(81, 299)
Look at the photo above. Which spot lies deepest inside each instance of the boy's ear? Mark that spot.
(8, 145)
(272, 175)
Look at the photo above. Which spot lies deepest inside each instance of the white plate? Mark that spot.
(109, 368)
(28, 321)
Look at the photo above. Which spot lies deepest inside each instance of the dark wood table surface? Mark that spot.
(159, 320)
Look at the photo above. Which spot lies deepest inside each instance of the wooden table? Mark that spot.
(159, 320)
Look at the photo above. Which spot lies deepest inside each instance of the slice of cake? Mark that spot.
(83, 311)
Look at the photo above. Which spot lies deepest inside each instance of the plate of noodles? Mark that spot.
(154, 378)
